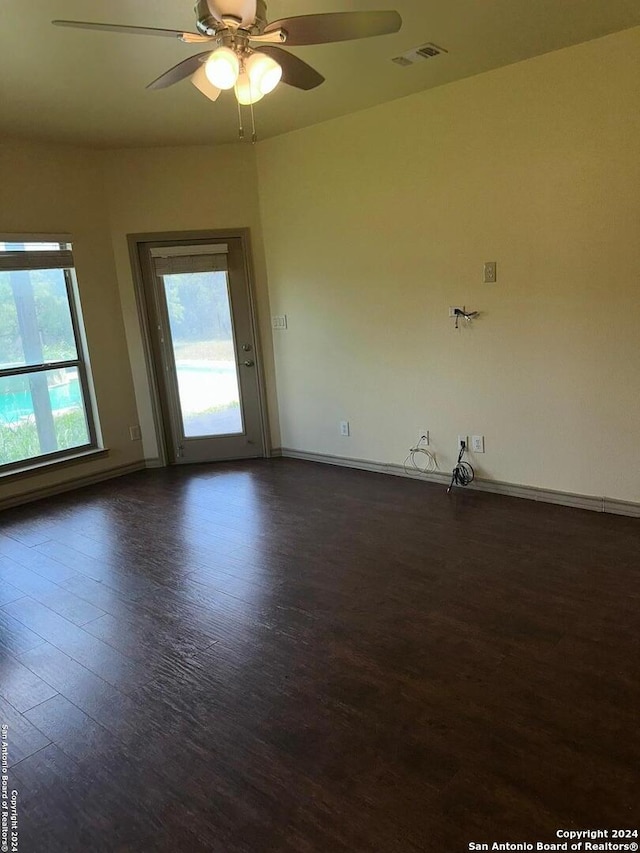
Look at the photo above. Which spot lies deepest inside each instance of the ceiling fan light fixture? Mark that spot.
(202, 82)
(246, 92)
(264, 72)
(222, 68)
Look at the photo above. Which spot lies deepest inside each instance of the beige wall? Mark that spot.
(182, 189)
(99, 198)
(49, 189)
(375, 223)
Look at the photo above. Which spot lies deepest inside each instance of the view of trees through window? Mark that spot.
(42, 407)
(199, 316)
(198, 306)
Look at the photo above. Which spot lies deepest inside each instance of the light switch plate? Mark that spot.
(279, 321)
(490, 272)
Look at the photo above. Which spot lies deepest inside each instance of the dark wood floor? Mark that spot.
(282, 656)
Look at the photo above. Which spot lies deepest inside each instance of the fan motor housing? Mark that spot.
(205, 21)
(208, 22)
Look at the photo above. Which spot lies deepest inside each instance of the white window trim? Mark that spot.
(62, 259)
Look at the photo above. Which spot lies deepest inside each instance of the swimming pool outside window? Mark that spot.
(45, 408)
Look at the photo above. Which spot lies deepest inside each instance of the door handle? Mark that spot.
(249, 363)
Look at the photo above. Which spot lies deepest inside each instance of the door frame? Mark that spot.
(138, 256)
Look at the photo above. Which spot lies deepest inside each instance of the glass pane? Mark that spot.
(32, 247)
(35, 320)
(204, 352)
(41, 413)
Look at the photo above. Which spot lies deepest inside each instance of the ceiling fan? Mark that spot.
(244, 52)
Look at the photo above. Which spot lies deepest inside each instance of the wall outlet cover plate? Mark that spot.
(477, 443)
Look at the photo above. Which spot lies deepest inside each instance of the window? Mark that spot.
(45, 408)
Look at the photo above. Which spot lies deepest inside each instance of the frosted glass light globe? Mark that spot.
(246, 92)
(222, 68)
(202, 82)
(264, 72)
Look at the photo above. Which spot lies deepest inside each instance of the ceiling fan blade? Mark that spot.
(274, 37)
(183, 69)
(295, 72)
(136, 31)
(196, 38)
(336, 26)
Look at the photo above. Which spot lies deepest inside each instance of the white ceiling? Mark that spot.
(88, 87)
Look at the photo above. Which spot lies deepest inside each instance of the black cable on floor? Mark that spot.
(463, 473)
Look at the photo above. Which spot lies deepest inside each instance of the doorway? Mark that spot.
(203, 348)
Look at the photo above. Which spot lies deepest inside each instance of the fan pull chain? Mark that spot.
(240, 127)
(254, 135)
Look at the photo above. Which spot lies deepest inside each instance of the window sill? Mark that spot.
(54, 464)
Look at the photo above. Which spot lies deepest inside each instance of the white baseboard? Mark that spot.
(532, 493)
(595, 504)
(70, 485)
(155, 462)
(621, 507)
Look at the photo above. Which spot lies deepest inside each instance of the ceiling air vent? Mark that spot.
(402, 60)
(419, 54)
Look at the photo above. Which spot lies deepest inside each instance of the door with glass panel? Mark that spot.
(205, 351)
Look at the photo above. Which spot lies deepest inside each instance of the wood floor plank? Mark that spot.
(113, 571)
(102, 659)
(150, 637)
(23, 738)
(34, 560)
(21, 687)
(101, 595)
(282, 656)
(77, 734)
(28, 533)
(70, 805)
(15, 637)
(8, 592)
(53, 596)
(68, 677)
(48, 773)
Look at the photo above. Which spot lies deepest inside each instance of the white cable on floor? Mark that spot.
(430, 462)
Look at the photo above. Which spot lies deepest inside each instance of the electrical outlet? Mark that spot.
(477, 443)
(424, 436)
(461, 439)
(134, 433)
(344, 428)
(490, 272)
